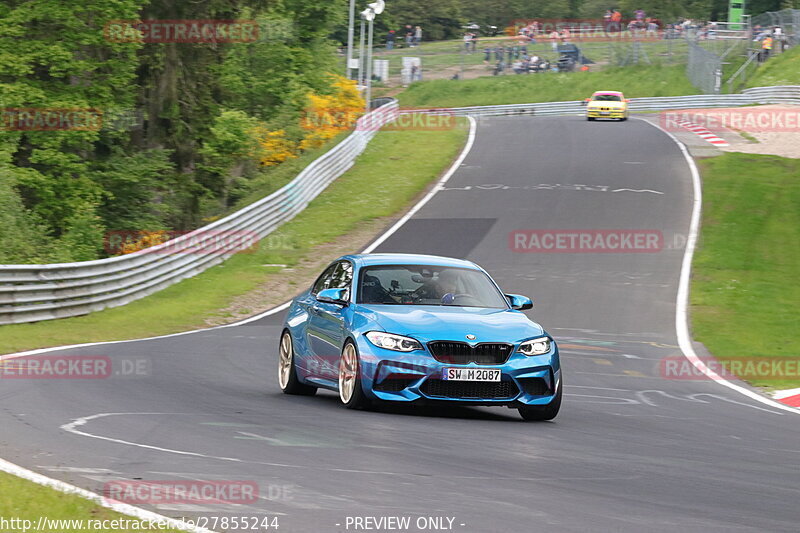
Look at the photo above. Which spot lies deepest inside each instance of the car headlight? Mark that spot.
(538, 346)
(390, 341)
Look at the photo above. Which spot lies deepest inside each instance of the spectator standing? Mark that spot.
(474, 42)
(616, 20)
(409, 35)
(467, 41)
(777, 35)
(607, 20)
(390, 41)
(554, 40)
(766, 47)
(487, 55)
(417, 35)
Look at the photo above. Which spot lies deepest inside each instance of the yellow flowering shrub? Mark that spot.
(142, 240)
(274, 148)
(328, 115)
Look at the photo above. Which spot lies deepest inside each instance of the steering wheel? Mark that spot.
(450, 298)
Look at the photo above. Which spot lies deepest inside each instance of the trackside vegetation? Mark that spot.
(745, 297)
(783, 69)
(23, 500)
(394, 169)
(653, 80)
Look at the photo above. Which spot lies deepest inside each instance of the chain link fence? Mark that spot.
(787, 19)
(704, 69)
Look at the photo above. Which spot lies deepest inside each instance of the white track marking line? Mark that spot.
(682, 307)
(781, 394)
(122, 508)
(136, 512)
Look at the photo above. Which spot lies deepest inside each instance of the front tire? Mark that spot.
(539, 413)
(287, 372)
(350, 390)
(590, 119)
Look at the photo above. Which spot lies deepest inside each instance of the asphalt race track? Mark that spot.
(631, 451)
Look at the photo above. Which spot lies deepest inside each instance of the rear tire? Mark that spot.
(287, 372)
(590, 119)
(539, 413)
(351, 393)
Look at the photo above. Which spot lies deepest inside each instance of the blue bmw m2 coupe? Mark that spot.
(417, 328)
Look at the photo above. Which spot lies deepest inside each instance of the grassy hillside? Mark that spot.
(517, 89)
(781, 70)
(745, 296)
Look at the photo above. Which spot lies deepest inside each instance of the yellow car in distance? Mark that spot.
(607, 104)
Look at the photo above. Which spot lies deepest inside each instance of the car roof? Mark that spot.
(618, 93)
(409, 259)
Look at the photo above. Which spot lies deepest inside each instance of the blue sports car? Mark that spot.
(417, 328)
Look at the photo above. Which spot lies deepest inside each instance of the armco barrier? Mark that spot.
(760, 95)
(30, 293)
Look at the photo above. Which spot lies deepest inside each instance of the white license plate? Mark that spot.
(605, 112)
(471, 374)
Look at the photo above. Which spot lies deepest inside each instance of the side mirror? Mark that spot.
(586, 101)
(520, 303)
(333, 296)
(627, 100)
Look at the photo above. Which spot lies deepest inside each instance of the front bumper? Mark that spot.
(614, 113)
(416, 376)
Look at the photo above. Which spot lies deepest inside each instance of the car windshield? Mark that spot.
(428, 285)
(607, 98)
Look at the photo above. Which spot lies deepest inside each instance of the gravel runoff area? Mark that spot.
(767, 129)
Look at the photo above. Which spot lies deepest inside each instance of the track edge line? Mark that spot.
(122, 508)
(682, 305)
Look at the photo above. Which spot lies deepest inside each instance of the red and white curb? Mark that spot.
(703, 133)
(789, 397)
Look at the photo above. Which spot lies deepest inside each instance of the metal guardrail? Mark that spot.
(761, 95)
(31, 293)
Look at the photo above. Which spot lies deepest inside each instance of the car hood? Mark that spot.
(427, 323)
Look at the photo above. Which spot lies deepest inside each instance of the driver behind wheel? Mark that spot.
(445, 284)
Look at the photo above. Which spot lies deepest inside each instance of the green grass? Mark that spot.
(395, 168)
(551, 87)
(439, 56)
(21, 499)
(745, 296)
(783, 69)
(273, 178)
